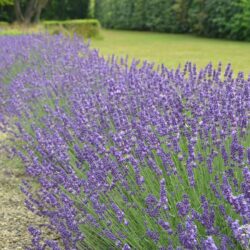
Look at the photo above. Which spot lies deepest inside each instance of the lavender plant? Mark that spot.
(128, 156)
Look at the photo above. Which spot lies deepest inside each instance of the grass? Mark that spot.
(15, 29)
(84, 27)
(174, 49)
(169, 49)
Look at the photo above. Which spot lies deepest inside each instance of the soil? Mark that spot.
(14, 216)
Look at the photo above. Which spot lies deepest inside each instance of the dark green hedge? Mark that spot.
(212, 18)
(155, 15)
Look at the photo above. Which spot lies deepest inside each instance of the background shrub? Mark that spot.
(86, 28)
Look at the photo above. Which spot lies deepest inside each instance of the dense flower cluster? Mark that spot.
(128, 155)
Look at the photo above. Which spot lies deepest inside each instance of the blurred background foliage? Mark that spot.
(228, 19)
(66, 9)
(212, 18)
(54, 9)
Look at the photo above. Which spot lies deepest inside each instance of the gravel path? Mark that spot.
(14, 216)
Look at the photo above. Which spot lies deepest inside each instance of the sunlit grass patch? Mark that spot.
(174, 49)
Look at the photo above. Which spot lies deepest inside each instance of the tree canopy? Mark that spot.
(6, 2)
(28, 11)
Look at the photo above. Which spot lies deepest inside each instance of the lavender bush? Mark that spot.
(127, 156)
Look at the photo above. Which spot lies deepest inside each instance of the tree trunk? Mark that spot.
(42, 5)
(18, 11)
(32, 12)
(38, 14)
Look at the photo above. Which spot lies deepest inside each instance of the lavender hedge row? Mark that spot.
(127, 156)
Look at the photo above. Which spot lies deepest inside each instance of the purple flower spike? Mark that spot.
(188, 234)
(126, 247)
(163, 195)
(183, 206)
(209, 244)
(153, 235)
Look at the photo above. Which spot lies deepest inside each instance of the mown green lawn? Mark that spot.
(174, 49)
